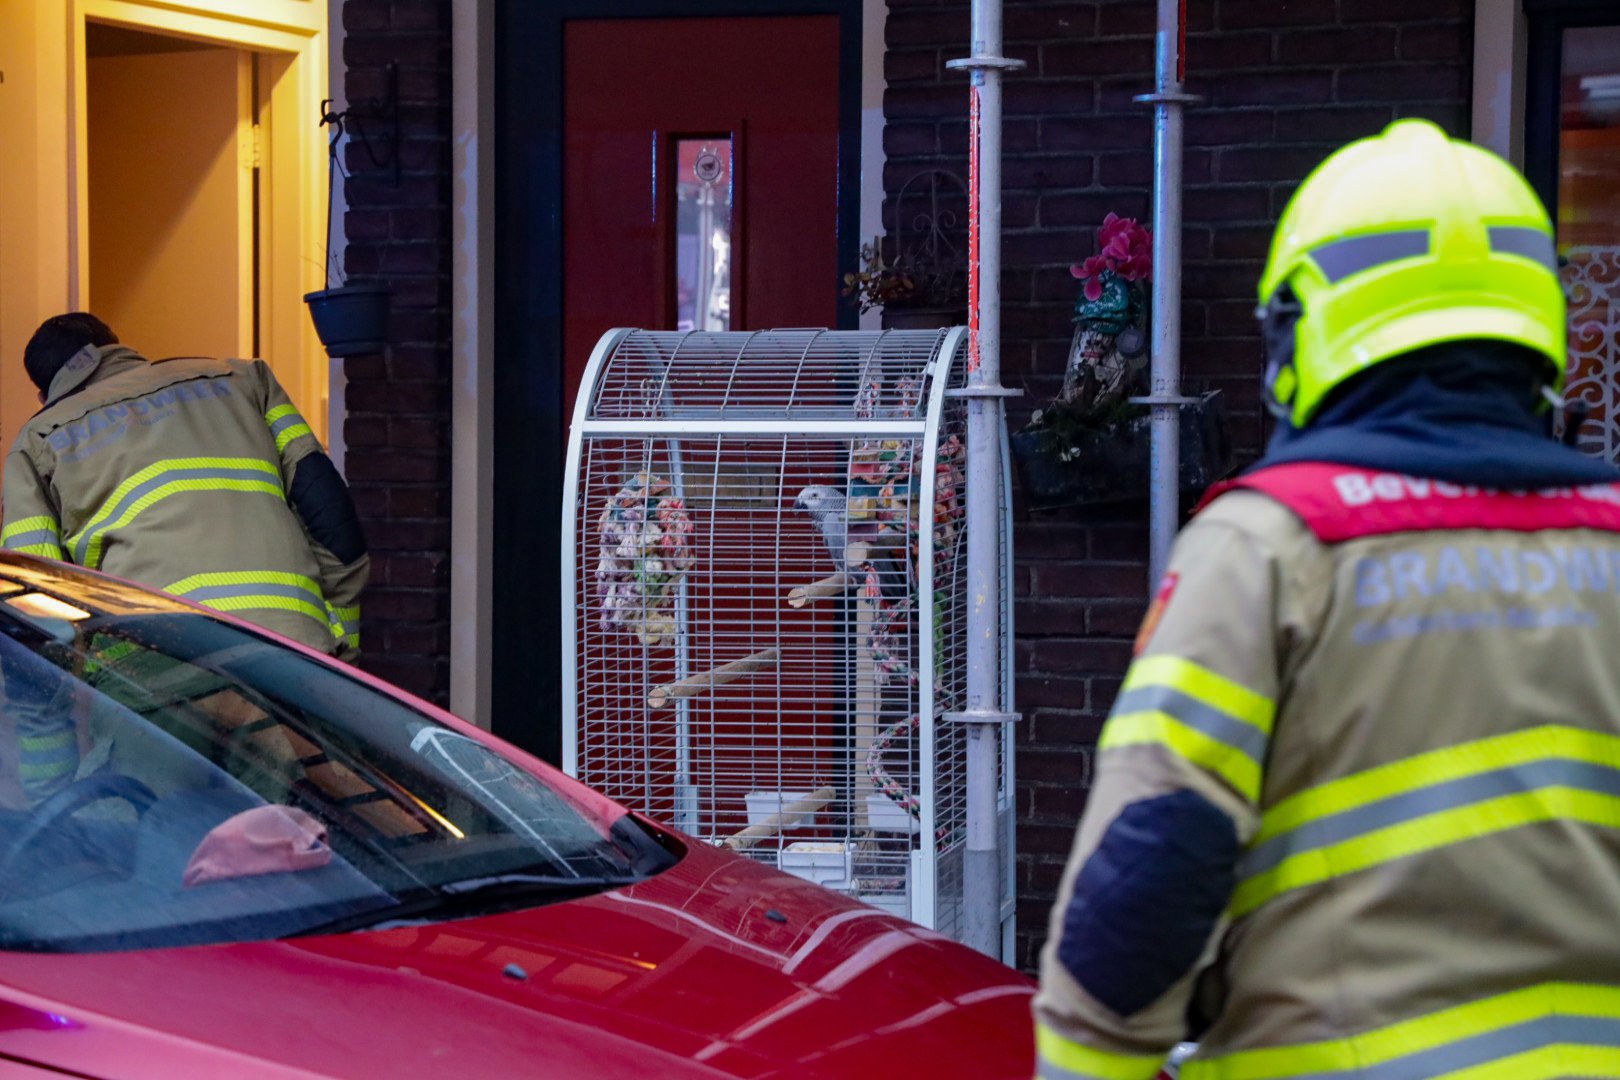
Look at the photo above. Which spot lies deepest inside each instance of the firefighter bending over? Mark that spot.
(1357, 810)
(192, 475)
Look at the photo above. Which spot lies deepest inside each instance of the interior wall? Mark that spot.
(169, 191)
(35, 233)
(44, 142)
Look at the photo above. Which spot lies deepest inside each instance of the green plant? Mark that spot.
(903, 283)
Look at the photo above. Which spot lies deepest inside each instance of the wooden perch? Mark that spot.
(884, 543)
(693, 685)
(783, 818)
(827, 586)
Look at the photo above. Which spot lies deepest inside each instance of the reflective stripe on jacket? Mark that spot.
(176, 474)
(1405, 697)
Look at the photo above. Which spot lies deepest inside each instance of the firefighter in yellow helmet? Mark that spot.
(1357, 806)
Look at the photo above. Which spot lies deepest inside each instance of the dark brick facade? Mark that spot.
(1284, 83)
(398, 423)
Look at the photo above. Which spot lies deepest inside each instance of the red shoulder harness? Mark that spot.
(1338, 502)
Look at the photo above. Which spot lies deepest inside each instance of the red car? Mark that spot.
(224, 856)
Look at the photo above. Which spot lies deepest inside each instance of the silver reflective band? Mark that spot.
(1435, 799)
(1200, 716)
(1341, 258)
(1531, 243)
(1488, 1047)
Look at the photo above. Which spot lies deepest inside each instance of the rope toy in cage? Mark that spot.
(644, 548)
(881, 479)
(890, 623)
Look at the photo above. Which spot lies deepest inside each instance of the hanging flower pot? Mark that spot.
(1113, 462)
(351, 319)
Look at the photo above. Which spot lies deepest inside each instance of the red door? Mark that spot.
(700, 176)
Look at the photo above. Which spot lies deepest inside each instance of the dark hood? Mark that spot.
(1463, 412)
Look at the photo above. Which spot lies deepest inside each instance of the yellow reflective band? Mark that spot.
(92, 556)
(248, 590)
(1194, 680)
(37, 523)
(1208, 719)
(1508, 1022)
(286, 425)
(49, 771)
(39, 744)
(1426, 834)
(1075, 1061)
(148, 486)
(1438, 766)
(1553, 1062)
(242, 577)
(1229, 763)
(1430, 801)
(253, 603)
(287, 435)
(49, 551)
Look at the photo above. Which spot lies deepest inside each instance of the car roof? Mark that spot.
(104, 594)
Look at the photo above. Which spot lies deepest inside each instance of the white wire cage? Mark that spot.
(764, 602)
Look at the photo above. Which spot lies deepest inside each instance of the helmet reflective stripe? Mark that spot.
(1341, 258)
(1519, 240)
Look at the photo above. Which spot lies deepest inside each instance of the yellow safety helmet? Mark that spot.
(1405, 239)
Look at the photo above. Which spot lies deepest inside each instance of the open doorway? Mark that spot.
(172, 181)
(172, 91)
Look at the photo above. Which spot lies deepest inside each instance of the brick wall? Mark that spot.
(1284, 82)
(398, 422)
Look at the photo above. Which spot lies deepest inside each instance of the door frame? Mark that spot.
(289, 37)
(526, 354)
(1547, 20)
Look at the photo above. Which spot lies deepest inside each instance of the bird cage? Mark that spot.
(765, 607)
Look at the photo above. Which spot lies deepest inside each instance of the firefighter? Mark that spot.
(1357, 805)
(193, 475)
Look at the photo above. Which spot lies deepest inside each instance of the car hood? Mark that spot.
(719, 967)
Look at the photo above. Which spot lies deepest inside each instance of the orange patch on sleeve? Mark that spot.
(1155, 612)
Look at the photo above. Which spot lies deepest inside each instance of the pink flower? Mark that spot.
(1123, 247)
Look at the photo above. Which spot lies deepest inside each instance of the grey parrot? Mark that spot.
(828, 508)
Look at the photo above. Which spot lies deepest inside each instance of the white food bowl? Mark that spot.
(825, 862)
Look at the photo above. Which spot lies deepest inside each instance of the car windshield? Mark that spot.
(167, 778)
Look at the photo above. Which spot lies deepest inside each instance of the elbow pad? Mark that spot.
(1148, 898)
(322, 500)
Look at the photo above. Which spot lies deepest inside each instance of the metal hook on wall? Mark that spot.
(361, 116)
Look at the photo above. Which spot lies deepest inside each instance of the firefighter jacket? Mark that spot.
(1357, 805)
(182, 475)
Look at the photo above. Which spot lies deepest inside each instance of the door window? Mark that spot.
(703, 201)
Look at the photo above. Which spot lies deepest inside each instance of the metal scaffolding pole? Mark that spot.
(1166, 398)
(984, 712)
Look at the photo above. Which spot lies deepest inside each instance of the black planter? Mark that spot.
(352, 319)
(909, 318)
(1113, 465)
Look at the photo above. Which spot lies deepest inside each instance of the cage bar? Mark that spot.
(765, 600)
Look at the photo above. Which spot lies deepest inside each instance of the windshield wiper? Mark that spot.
(470, 896)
